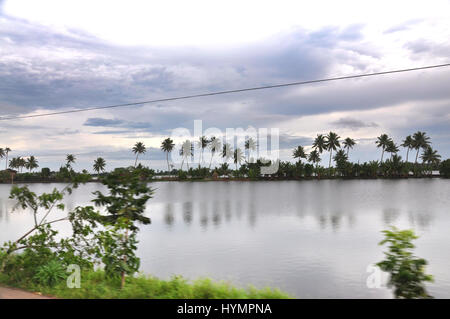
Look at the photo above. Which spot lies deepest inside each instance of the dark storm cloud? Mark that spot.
(352, 123)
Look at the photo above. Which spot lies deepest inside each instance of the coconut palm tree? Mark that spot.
(430, 156)
(99, 165)
(167, 146)
(392, 148)
(7, 150)
(340, 156)
(227, 151)
(420, 140)
(299, 153)
(14, 163)
(348, 144)
(314, 157)
(70, 159)
(320, 143)
(31, 163)
(408, 142)
(2, 154)
(202, 143)
(238, 157)
(186, 151)
(332, 143)
(250, 145)
(138, 148)
(214, 146)
(22, 163)
(382, 141)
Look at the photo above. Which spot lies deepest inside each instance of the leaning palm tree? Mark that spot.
(382, 141)
(227, 151)
(420, 140)
(238, 157)
(214, 146)
(31, 163)
(348, 144)
(70, 159)
(392, 148)
(320, 143)
(202, 143)
(250, 145)
(299, 153)
(332, 143)
(408, 142)
(99, 165)
(167, 146)
(7, 150)
(138, 148)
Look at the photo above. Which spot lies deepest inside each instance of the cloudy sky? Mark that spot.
(59, 55)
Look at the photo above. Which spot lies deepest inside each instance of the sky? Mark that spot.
(60, 55)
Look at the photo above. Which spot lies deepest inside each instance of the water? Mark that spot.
(310, 238)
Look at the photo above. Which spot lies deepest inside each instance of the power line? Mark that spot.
(225, 92)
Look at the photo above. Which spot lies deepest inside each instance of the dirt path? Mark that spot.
(13, 293)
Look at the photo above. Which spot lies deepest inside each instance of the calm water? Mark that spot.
(310, 238)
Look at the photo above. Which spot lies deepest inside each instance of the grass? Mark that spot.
(94, 285)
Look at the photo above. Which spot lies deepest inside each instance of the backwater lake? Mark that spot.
(312, 239)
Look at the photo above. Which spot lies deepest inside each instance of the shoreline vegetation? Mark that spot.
(95, 285)
(247, 168)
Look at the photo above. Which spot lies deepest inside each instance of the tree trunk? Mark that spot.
(417, 154)
(135, 162)
(407, 153)
(167, 158)
(210, 161)
(382, 153)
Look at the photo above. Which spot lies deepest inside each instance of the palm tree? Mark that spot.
(299, 153)
(348, 143)
(250, 145)
(7, 150)
(430, 156)
(227, 151)
(167, 146)
(382, 141)
(314, 157)
(138, 148)
(186, 151)
(332, 143)
(70, 159)
(202, 143)
(2, 154)
(340, 156)
(320, 143)
(392, 148)
(99, 165)
(22, 163)
(408, 142)
(214, 146)
(14, 163)
(420, 140)
(31, 163)
(238, 157)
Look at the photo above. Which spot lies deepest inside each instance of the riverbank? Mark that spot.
(95, 285)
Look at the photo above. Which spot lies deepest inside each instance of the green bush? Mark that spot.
(50, 274)
(444, 168)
